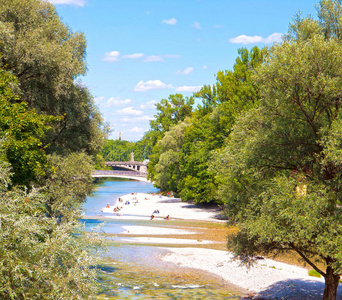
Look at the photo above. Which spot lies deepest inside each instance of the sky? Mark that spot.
(140, 52)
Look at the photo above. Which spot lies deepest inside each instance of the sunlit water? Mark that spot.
(136, 271)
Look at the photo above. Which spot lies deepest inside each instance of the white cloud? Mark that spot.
(134, 55)
(152, 58)
(218, 26)
(151, 85)
(129, 111)
(126, 119)
(188, 88)
(148, 105)
(197, 25)
(205, 67)
(99, 99)
(111, 56)
(245, 39)
(137, 130)
(117, 101)
(171, 21)
(274, 38)
(186, 71)
(68, 2)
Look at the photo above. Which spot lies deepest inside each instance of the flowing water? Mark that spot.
(135, 271)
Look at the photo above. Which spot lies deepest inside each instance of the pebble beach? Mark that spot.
(267, 279)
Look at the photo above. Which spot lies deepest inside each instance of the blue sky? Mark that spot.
(139, 52)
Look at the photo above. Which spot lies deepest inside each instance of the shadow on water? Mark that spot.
(105, 268)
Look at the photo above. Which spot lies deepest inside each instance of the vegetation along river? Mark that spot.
(135, 271)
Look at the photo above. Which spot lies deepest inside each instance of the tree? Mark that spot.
(280, 171)
(49, 259)
(47, 58)
(169, 112)
(67, 184)
(169, 147)
(22, 131)
(233, 93)
(115, 150)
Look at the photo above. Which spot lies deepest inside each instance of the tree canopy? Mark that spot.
(184, 168)
(50, 133)
(47, 58)
(280, 171)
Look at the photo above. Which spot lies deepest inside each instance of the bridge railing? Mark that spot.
(124, 163)
(124, 173)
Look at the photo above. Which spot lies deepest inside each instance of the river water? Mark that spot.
(135, 271)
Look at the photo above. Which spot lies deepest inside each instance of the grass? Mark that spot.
(314, 273)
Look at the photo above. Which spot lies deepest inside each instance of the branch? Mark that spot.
(307, 260)
(308, 119)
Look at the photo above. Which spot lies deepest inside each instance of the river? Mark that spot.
(135, 271)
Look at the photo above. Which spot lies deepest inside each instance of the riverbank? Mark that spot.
(267, 279)
(143, 206)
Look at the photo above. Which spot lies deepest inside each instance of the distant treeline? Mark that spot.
(120, 150)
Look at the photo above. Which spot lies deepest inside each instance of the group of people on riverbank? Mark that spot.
(137, 205)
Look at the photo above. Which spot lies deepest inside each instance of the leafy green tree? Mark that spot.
(197, 182)
(41, 257)
(168, 168)
(67, 184)
(81, 128)
(47, 58)
(169, 112)
(233, 88)
(233, 93)
(22, 130)
(116, 150)
(209, 125)
(143, 147)
(281, 169)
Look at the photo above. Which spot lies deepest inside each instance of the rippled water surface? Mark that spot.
(132, 271)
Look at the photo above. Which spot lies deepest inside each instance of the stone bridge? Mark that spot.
(135, 166)
(136, 170)
(135, 175)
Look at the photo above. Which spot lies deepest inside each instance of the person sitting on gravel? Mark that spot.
(152, 217)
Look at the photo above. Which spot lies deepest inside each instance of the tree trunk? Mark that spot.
(331, 284)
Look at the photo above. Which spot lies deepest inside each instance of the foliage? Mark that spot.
(184, 168)
(117, 150)
(47, 57)
(81, 128)
(23, 131)
(170, 111)
(280, 171)
(47, 259)
(167, 168)
(67, 184)
(44, 109)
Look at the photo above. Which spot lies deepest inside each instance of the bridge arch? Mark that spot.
(140, 176)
